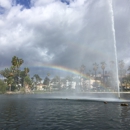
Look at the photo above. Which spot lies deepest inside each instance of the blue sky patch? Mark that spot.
(25, 3)
(66, 1)
(2, 10)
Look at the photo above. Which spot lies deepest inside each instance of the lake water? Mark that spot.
(31, 111)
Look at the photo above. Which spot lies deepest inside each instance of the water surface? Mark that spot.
(30, 112)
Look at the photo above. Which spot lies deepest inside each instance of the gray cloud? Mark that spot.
(52, 32)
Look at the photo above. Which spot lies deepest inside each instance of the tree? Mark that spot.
(27, 80)
(10, 81)
(3, 86)
(13, 74)
(82, 69)
(16, 63)
(6, 72)
(46, 81)
(95, 67)
(121, 65)
(27, 84)
(9, 75)
(22, 77)
(56, 79)
(128, 70)
(37, 78)
(112, 63)
(125, 81)
(103, 65)
(26, 70)
(69, 78)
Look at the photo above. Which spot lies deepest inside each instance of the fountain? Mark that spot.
(95, 45)
(89, 107)
(114, 41)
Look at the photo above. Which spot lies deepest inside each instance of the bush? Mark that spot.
(3, 86)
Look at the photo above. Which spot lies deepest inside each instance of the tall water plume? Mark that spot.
(114, 43)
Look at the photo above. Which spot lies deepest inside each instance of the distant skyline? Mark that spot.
(66, 33)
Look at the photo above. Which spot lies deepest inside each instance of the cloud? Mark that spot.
(6, 3)
(64, 34)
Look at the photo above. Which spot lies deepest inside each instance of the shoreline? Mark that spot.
(38, 92)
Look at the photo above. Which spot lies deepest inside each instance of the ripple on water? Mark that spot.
(62, 114)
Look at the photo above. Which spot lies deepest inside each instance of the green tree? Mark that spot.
(22, 77)
(27, 80)
(46, 81)
(37, 78)
(9, 75)
(13, 74)
(16, 63)
(3, 86)
(26, 70)
(125, 81)
(10, 81)
(6, 72)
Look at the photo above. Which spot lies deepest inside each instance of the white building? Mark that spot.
(90, 83)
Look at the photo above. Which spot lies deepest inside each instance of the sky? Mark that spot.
(52, 34)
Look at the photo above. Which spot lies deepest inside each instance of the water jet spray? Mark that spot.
(114, 43)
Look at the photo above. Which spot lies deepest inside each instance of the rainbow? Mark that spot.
(65, 69)
(62, 68)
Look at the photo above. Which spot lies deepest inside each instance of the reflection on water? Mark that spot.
(20, 112)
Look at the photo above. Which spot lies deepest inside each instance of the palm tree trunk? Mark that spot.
(10, 87)
(95, 76)
(103, 75)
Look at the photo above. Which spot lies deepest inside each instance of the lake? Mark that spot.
(35, 111)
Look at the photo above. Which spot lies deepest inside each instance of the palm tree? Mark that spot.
(95, 67)
(22, 77)
(10, 81)
(112, 64)
(128, 68)
(26, 70)
(82, 71)
(16, 62)
(121, 67)
(89, 77)
(103, 65)
(37, 78)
